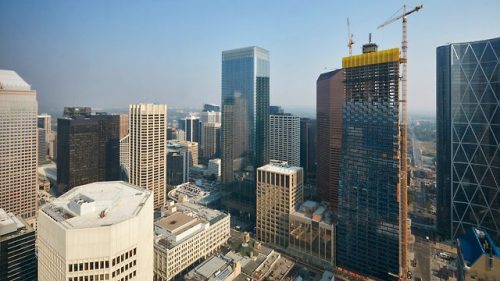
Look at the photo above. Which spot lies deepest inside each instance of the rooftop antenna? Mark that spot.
(370, 37)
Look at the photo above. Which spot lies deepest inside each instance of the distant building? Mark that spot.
(123, 125)
(44, 138)
(42, 147)
(125, 157)
(211, 107)
(210, 117)
(275, 110)
(308, 149)
(88, 149)
(75, 112)
(279, 193)
(478, 256)
(214, 168)
(312, 235)
(81, 234)
(148, 148)
(17, 249)
(210, 141)
(179, 161)
(245, 124)
(329, 104)
(468, 137)
(185, 234)
(284, 138)
(18, 146)
(193, 128)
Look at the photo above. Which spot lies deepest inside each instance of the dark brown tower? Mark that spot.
(329, 103)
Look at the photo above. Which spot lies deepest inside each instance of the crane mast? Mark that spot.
(350, 38)
(403, 192)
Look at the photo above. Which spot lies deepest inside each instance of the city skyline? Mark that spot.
(131, 49)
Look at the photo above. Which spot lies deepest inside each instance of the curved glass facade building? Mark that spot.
(245, 123)
(468, 137)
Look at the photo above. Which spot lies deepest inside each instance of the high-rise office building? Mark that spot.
(88, 149)
(308, 149)
(279, 193)
(275, 110)
(329, 104)
(17, 249)
(210, 117)
(193, 128)
(98, 231)
(125, 157)
(368, 232)
(148, 148)
(179, 161)
(468, 137)
(45, 122)
(210, 141)
(18, 145)
(284, 138)
(211, 107)
(44, 125)
(77, 111)
(245, 123)
(123, 125)
(42, 147)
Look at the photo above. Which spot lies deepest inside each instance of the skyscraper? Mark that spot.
(193, 128)
(468, 137)
(123, 125)
(279, 193)
(17, 249)
(329, 104)
(308, 146)
(284, 132)
(148, 148)
(88, 149)
(18, 145)
(44, 134)
(245, 122)
(210, 141)
(98, 231)
(369, 204)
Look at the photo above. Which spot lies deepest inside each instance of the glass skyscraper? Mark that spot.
(468, 137)
(245, 123)
(368, 232)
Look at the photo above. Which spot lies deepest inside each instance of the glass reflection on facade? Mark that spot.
(468, 132)
(245, 123)
(368, 232)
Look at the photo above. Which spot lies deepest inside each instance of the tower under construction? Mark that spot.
(369, 206)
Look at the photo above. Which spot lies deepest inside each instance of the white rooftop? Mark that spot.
(280, 167)
(97, 204)
(10, 80)
(9, 223)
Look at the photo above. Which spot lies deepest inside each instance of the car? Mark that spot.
(444, 255)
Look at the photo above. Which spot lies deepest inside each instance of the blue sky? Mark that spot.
(111, 53)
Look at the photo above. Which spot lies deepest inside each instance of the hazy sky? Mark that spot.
(111, 53)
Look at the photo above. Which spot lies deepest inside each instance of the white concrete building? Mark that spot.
(188, 232)
(148, 147)
(18, 146)
(284, 138)
(214, 167)
(97, 231)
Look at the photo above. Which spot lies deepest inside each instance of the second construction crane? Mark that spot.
(404, 269)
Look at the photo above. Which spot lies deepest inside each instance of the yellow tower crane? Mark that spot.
(403, 192)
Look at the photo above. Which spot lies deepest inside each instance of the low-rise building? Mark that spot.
(219, 268)
(312, 235)
(478, 256)
(184, 234)
(97, 231)
(17, 249)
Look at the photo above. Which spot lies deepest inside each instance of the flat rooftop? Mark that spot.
(177, 223)
(280, 168)
(11, 225)
(97, 204)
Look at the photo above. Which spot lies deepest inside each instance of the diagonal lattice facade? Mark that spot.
(472, 161)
